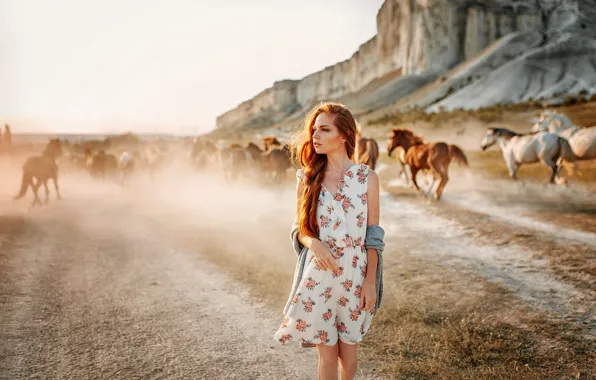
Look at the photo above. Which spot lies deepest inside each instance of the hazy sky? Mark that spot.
(162, 65)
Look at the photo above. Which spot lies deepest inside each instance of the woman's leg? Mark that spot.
(327, 361)
(347, 360)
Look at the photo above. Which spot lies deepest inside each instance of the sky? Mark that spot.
(161, 66)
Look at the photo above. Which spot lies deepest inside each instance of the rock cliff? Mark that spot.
(419, 44)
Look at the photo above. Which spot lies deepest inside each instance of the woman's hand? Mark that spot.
(368, 298)
(323, 255)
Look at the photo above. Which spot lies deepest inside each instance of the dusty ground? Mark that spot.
(89, 290)
(185, 277)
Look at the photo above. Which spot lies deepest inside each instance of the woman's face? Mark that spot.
(326, 137)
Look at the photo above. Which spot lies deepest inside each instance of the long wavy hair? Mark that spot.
(314, 164)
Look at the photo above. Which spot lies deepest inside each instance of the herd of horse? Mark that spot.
(553, 140)
(237, 161)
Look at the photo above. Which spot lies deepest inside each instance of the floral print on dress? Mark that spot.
(338, 272)
(308, 305)
(310, 283)
(358, 291)
(347, 284)
(285, 338)
(360, 219)
(326, 293)
(336, 224)
(355, 314)
(324, 221)
(363, 198)
(346, 203)
(301, 325)
(322, 336)
(326, 305)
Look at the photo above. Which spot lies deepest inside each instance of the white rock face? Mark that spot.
(422, 40)
(540, 73)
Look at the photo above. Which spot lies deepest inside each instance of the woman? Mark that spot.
(338, 285)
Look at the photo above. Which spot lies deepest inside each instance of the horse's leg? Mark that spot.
(35, 187)
(404, 170)
(432, 185)
(414, 172)
(553, 175)
(512, 167)
(553, 167)
(45, 186)
(443, 172)
(55, 179)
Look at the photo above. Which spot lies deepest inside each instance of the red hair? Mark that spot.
(314, 164)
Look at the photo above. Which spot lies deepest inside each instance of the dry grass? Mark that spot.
(440, 324)
(581, 111)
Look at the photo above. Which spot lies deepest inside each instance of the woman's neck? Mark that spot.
(338, 162)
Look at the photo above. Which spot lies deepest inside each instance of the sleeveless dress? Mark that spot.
(326, 305)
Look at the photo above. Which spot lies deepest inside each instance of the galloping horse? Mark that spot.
(518, 149)
(581, 140)
(434, 157)
(41, 168)
(367, 150)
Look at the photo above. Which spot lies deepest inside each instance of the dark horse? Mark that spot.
(41, 168)
(277, 161)
(367, 151)
(102, 165)
(420, 155)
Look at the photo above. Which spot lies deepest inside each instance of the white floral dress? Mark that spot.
(326, 305)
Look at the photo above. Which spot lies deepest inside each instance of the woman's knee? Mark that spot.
(348, 357)
(328, 354)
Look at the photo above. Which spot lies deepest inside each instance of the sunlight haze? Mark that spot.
(162, 66)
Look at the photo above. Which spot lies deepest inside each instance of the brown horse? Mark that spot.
(420, 155)
(41, 168)
(234, 160)
(277, 161)
(102, 165)
(270, 142)
(367, 151)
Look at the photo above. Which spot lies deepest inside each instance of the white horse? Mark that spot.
(126, 165)
(581, 140)
(519, 149)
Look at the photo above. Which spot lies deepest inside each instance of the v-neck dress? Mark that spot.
(326, 305)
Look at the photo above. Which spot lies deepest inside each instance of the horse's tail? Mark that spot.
(565, 155)
(373, 153)
(565, 151)
(458, 155)
(362, 154)
(25, 181)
